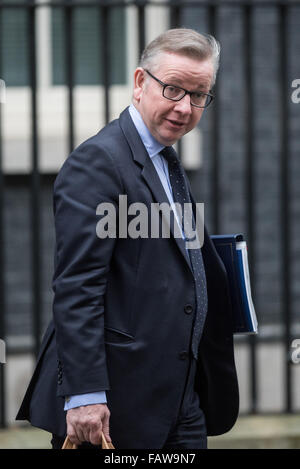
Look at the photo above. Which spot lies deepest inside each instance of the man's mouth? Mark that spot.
(177, 124)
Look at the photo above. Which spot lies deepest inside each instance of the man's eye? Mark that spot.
(174, 90)
(198, 95)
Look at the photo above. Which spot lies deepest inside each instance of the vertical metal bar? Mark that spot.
(69, 60)
(249, 182)
(2, 260)
(105, 59)
(215, 136)
(35, 180)
(141, 24)
(285, 220)
(175, 15)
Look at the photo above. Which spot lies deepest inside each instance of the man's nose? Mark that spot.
(184, 105)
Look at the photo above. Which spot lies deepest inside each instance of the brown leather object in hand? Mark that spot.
(68, 445)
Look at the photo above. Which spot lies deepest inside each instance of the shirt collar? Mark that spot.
(152, 146)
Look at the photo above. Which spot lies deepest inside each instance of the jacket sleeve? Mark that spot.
(87, 179)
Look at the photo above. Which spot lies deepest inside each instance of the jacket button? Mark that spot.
(188, 309)
(183, 355)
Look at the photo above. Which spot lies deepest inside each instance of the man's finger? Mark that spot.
(85, 431)
(95, 429)
(95, 437)
(105, 428)
(73, 436)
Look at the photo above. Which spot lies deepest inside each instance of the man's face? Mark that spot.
(169, 120)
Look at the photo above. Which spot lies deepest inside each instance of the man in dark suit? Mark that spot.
(140, 346)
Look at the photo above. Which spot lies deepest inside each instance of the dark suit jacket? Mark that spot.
(122, 307)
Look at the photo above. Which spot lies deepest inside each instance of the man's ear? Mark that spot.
(139, 82)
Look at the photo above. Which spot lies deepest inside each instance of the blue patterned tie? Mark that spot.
(181, 195)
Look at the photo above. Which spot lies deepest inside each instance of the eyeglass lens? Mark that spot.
(174, 93)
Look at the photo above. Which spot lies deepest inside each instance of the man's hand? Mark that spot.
(87, 422)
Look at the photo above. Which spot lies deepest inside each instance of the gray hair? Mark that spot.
(183, 41)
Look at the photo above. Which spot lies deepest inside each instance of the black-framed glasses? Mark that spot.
(176, 93)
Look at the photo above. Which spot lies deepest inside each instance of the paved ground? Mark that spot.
(261, 432)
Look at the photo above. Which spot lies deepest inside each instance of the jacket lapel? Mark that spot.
(148, 172)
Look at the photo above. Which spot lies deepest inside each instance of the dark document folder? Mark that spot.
(233, 251)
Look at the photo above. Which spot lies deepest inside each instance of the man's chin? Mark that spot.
(170, 139)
